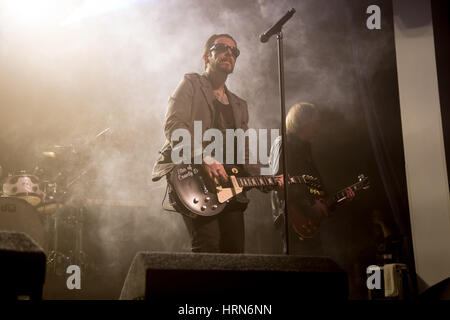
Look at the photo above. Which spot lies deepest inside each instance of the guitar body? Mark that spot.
(194, 192)
(307, 225)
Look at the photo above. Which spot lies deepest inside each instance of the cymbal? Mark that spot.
(49, 154)
(48, 208)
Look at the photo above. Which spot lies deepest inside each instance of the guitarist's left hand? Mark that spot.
(349, 194)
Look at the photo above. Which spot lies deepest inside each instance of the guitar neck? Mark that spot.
(340, 196)
(257, 181)
(265, 181)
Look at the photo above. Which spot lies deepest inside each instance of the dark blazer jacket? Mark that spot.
(193, 101)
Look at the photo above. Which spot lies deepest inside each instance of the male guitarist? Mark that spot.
(206, 98)
(302, 125)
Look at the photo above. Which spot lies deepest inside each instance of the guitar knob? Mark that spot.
(207, 199)
(195, 200)
(214, 207)
(203, 208)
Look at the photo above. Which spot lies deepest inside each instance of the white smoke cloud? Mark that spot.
(99, 64)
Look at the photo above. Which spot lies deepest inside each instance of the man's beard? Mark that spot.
(225, 69)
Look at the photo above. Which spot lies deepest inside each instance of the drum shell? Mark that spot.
(23, 186)
(18, 215)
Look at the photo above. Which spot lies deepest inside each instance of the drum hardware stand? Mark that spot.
(79, 257)
(75, 220)
(56, 259)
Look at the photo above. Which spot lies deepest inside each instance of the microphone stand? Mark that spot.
(277, 29)
(283, 137)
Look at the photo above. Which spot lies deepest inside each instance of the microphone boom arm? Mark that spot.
(276, 28)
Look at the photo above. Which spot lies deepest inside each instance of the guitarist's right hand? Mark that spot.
(214, 169)
(320, 209)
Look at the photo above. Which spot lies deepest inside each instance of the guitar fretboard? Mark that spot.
(263, 181)
(258, 181)
(341, 195)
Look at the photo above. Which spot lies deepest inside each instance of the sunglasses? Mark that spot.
(222, 47)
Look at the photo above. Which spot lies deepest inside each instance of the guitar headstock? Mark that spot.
(363, 182)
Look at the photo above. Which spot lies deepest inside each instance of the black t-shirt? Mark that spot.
(224, 119)
(224, 116)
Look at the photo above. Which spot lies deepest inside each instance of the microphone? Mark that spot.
(277, 26)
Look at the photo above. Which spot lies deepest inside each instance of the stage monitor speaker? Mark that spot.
(210, 277)
(22, 267)
(439, 291)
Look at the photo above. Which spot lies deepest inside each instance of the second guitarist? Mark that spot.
(302, 125)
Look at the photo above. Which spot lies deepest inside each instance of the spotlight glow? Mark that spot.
(29, 12)
(96, 8)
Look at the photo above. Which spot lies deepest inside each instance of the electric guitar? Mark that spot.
(307, 226)
(194, 193)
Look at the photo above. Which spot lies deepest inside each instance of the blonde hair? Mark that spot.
(300, 115)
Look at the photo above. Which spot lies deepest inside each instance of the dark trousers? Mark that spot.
(222, 233)
(305, 247)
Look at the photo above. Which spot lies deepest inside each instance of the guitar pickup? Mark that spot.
(202, 184)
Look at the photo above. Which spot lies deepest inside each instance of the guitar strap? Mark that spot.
(171, 205)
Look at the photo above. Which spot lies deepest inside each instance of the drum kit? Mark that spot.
(42, 204)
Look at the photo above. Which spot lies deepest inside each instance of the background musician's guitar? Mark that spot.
(308, 226)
